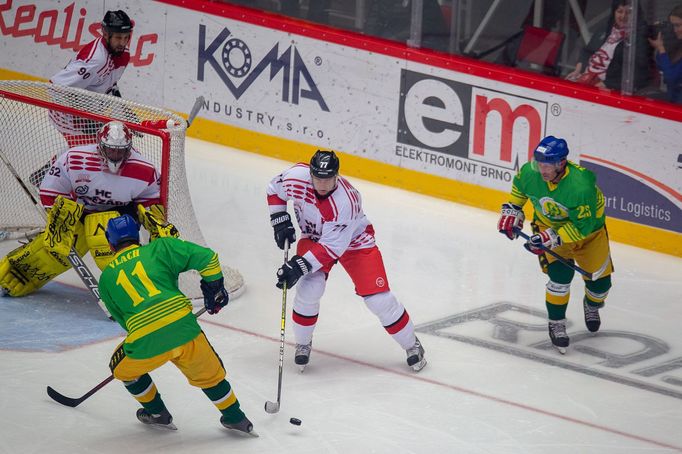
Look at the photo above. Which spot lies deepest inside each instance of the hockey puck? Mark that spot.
(295, 421)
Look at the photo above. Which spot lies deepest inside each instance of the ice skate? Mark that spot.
(592, 318)
(302, 355)
(162, 420)
(243, 427)
(557, 333)
(415, 356)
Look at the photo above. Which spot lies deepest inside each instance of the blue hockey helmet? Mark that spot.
(551, 150)
(122, 228)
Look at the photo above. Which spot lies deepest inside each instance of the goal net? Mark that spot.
(39, 121)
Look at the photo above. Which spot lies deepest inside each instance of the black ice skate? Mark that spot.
(163, 420)
(557, 332)
(243, 427)
(415, 356)
(592, 319)
(302, 355)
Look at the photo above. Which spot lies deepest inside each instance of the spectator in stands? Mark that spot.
(669, 54)
(601, 62)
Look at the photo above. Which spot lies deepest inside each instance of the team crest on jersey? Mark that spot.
(553, 210)
(82, 190)
(380, 282)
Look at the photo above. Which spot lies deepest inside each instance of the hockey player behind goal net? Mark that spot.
(28, 140)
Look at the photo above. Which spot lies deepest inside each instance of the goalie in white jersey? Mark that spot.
(333, 229)
(84, 188)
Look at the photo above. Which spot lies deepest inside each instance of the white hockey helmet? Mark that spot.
(114, 141)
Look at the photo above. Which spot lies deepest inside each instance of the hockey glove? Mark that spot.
(215, 295)
(511, 219)
(284, 229)
(292, 271)
(547, 239)
(154, 220)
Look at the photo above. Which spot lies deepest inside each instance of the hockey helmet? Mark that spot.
(117, 22)
(324, 164)
(551, 150)
(114, 141)
(122, 229)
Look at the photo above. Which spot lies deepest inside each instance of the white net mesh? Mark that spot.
(39, 121)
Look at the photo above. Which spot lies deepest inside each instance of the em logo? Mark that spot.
(469, 122)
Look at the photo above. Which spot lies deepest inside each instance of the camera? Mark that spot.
(665, 28)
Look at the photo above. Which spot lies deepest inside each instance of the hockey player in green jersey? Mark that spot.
(568, 219)
(140, 289)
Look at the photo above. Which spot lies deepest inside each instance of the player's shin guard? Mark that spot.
(226, 402)
(309, 291)
(393, 317)
(144, 391)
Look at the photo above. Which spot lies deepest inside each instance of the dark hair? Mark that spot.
(673, 46)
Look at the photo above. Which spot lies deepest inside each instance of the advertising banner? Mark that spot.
(401, 112)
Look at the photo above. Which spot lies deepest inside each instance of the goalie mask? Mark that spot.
(114, 142)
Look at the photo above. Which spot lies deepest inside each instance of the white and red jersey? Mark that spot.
(93, 69)
(81, 174)
(336, 223)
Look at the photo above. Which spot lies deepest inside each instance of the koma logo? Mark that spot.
(236, 61)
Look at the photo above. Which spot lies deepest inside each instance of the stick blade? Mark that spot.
(271, 407)
(68, 401)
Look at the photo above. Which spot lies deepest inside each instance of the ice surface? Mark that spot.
(491, 386)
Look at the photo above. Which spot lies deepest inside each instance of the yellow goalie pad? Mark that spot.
(62, 221)
(95, 237)
(30, 266)
(154, 220)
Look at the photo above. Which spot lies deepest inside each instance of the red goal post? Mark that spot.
(39, 121)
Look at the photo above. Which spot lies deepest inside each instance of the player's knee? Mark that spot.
(557, 293)
(560, 273)
(311, 288)
(385, 306)
(29, 267)
(597, 291)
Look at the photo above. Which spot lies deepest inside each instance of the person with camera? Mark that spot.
(668, 47)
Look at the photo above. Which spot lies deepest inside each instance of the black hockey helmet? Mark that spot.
(117, 22)
(324, 164)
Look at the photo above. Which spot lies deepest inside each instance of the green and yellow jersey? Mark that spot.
(574, 207)
(140, 289)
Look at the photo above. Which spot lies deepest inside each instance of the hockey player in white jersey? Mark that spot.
(97, 67)
(333, 229)
(84, 188)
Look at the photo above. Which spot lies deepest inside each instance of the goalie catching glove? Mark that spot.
(154, 220)
(215, 295)
(547, 239)
(292, 271)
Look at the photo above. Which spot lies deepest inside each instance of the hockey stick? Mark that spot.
(76, 401)
(195, 110)
(568, 263)
(273, 407)
(76, 262)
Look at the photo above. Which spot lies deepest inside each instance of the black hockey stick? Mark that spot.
(76, 262)
(273, 407)
(568, 263)
(76, 401)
